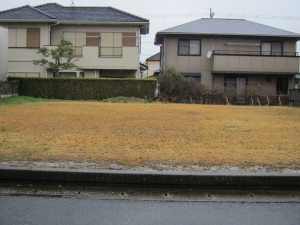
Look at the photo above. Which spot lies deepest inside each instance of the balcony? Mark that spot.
(94, 57)
(255, 62)
(110, 52)
(77, 51)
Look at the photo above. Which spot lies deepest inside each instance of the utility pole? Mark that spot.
(211, 14)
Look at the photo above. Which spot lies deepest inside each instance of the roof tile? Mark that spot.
(228, 27)
(70, 14)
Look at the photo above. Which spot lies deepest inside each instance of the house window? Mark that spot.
(24, 38)
(92, 39)
(236, 86)
(67, 74)
(282, 86)
(111, 45)
(81, 74)
(129, 39)
(271, 48)
(195, 76)
(189, 47)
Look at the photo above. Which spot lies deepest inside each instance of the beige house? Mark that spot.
(153, 64)
(232, 54)
(106, 40)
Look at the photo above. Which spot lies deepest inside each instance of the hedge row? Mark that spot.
(84, 88)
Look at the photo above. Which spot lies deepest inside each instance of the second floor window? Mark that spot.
(189, 47)
(24, 38)
(271, 48)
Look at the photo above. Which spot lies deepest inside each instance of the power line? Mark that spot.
(223, 15)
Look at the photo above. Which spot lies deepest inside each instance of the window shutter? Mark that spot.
(12, 37)
(33, 37)
(129, 39)
(92, 39)
(21, 38)
(70, 36)
(80, 39)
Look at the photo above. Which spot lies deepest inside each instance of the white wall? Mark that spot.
(3, 53)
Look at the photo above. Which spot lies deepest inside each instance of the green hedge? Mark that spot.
(84, 88)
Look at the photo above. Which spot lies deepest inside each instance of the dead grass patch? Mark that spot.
(140, 133)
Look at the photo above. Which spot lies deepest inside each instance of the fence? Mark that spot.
(294, 95)
(278, 100)
(9, 88)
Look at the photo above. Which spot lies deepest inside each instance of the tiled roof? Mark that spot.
(155, 57)
(70, 14)
(227, 27)
(25, 13)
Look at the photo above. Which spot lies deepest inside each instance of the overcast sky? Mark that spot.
(163, 14)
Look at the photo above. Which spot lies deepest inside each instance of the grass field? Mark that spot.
(135, 133)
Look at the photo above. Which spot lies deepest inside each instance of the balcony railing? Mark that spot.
(77, 51)
(110, 52)
(255, 53)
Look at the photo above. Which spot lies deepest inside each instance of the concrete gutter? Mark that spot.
(228, 181)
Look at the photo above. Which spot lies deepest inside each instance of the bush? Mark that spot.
(174, 87)
(85, 89)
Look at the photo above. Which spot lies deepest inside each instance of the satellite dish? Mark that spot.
(209, 53)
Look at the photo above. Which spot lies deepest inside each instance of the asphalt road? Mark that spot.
(75, 210)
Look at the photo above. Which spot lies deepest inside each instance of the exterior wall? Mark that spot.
(90, 54)
(149, 63)
(206, 65)
(20, 59)
(3, 53)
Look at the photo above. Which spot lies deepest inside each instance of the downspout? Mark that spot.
(49, 31)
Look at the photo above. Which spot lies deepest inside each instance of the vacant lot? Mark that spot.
(128, 133)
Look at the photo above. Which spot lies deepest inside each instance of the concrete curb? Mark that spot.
(154, 178)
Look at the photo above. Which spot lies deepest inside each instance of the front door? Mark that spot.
(282, 86)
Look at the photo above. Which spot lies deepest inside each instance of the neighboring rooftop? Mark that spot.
(155, 57)
(70, 14)
(231, 27)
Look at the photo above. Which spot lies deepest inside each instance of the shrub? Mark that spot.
(174, 87)
(85, 89)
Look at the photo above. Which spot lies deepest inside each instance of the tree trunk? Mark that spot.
(56, 73)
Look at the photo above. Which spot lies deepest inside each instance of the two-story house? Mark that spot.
(106, 40)
(232, 54)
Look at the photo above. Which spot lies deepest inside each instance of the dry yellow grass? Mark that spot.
(139, 133)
